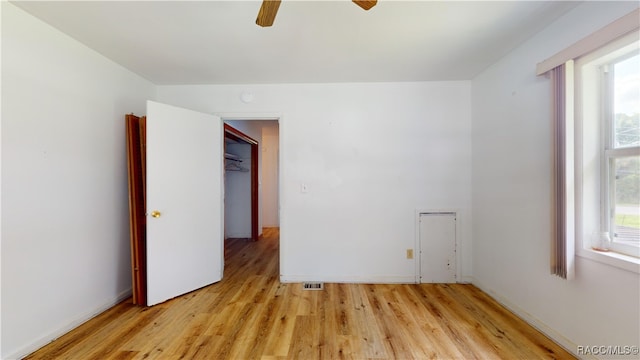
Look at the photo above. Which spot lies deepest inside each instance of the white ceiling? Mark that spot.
(218, 42)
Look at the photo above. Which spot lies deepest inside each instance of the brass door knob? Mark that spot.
(155, 214)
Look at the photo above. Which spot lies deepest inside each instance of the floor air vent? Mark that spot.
(312, 286)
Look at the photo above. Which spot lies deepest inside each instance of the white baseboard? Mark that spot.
(538, 324)
(74, 323)
(349, 279)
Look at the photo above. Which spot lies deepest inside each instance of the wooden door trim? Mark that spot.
(136, 157)
(237, 135)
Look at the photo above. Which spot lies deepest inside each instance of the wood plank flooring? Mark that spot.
(251, 315)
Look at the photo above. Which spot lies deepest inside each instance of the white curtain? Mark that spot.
(563, 196)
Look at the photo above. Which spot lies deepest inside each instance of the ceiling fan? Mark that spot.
(269, 9)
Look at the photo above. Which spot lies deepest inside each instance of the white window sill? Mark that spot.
(615, 259)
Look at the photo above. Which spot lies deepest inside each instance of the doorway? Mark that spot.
(265, 172)
(175, 163)
(241, 201)
(201, 136)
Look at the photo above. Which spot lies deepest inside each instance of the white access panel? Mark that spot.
(438, 248)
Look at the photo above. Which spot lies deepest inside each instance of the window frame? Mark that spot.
(594, 113)
(610, 153)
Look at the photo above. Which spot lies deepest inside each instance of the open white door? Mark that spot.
(184, 201)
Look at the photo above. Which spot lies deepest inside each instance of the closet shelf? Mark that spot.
(232, 157)
(234, 167)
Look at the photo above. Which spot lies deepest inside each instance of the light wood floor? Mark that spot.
(251, 315)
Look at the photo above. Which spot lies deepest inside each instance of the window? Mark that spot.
(608, 128)
(595, 102)
(621, 187)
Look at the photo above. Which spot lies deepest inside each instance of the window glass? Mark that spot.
(626, 103)
(627, 200)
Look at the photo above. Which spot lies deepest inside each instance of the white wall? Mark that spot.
(511, 199)
(1, 17)
(370, 154)
(237, 194)
(270, 184)
(65, 227)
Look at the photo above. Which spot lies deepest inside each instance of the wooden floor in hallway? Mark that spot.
(251, 315)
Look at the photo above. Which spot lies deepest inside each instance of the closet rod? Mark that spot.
(232, 157)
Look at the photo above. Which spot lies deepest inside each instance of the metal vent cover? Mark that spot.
(313, 286)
